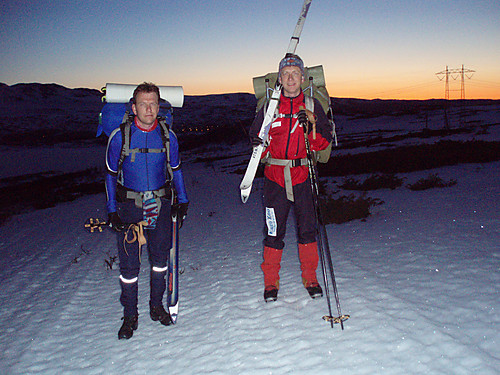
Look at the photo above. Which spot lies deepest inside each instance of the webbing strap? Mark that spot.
(287, 163)
(135, 151)
(137, 196)
(166, 136)
(137, 232)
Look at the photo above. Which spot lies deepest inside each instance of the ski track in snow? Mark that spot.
(419, 278)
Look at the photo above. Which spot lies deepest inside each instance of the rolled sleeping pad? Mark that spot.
(122, 93)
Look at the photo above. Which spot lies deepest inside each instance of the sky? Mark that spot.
(368, 49)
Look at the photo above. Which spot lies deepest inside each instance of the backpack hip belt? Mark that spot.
(287, 163)
(139, 196)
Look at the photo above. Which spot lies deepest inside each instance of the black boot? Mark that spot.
(159, 313)
(130, 324)
(315, 291)
(271, 294)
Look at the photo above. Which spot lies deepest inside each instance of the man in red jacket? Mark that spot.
(286, 174)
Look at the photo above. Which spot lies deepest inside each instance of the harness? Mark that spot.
(290, 163)
(126, 150)
(147, 200)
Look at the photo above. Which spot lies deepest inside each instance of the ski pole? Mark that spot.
(323, 246)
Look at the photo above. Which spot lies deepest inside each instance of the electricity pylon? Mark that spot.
(454, 74)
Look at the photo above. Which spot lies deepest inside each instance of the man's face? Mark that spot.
(291, 79)
(146, 108)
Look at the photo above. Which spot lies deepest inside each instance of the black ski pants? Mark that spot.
(277, 208)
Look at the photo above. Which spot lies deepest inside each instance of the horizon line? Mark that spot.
(250, 93)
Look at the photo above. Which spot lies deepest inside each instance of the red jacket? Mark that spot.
(286, 138)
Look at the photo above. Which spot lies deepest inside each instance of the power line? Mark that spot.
(481, 83)
(406, 88)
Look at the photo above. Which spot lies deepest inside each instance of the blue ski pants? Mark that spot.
(159, 242)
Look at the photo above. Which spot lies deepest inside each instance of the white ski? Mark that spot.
(173, 273)
(253, 164)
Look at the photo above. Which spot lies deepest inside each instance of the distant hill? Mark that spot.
(35, 113)
(46, 113)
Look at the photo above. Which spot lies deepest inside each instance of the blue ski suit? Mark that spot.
(147, 172)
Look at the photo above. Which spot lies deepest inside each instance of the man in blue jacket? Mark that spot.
(138, 189)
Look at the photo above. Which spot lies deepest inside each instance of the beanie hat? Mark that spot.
(292, 60)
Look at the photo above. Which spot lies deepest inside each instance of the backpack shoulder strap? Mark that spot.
(309, 101)
(126, 150)
(165, 134)
(125, 130)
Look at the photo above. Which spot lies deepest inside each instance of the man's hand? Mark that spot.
(115, 222)
(302, 117)
(307, 117)
(180, 210)
(256, 141)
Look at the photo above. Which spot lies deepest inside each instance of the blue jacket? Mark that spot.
(149, 170)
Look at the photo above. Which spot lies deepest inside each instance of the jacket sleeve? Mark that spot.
(323, 129)
(175, 164)
(112, 157)
(180, 188)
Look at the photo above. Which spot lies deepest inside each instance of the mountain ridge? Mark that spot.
(52, 113)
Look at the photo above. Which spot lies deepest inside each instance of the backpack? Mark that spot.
(119, 116)
(118, 98)
(313, 87)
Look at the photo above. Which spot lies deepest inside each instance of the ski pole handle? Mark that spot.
(311, 117)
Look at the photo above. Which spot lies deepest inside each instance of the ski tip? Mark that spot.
(174, 312)
(173, 318)
(245, 193)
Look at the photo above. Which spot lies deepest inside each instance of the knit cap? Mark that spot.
(292, 60)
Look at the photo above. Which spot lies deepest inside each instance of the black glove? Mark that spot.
(115, 222)
(256, 141)
(180, 209)
(302, 117)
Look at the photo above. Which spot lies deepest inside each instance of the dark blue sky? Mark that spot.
(388, 49)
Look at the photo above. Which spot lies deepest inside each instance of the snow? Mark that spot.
(419, 279)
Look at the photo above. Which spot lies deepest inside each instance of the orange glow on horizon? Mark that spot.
(432, 90)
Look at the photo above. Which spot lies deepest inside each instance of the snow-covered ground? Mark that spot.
(419, 278)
